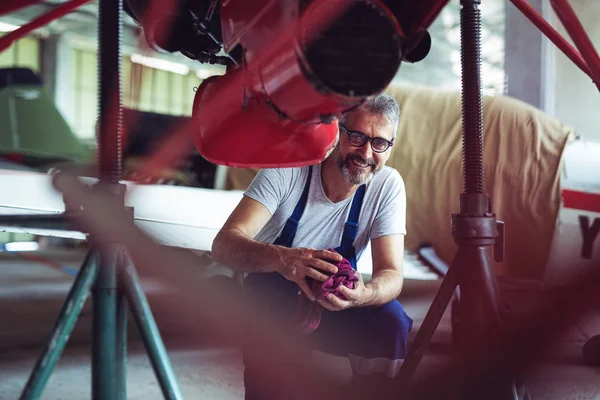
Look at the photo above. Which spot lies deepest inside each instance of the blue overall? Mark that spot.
(361, 334)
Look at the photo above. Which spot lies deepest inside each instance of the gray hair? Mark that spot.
(383, 104)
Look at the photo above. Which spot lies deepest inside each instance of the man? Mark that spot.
(281, 237)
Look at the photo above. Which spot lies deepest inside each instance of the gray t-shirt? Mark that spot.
(383, 210)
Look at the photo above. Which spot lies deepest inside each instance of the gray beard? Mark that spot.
(355, 178)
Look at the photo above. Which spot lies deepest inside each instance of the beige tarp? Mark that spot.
(523, 150)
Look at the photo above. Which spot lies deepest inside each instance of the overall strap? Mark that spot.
(351, 226)
(286, 237)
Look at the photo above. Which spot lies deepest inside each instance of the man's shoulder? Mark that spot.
(387, 184)
(388, 176)
(272, 186)
(283, 172)
(283, 177)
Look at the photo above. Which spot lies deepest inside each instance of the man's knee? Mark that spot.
(393, 321)
(383, 342)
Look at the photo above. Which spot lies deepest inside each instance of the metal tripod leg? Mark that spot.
(479, 287)
(122, 341)
(430, 323)
(104, 338)
(490, 292)
(150, 334)
(62, 330)
(471, 268)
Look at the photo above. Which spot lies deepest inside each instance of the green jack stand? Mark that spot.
(108, 274)
(114, 284)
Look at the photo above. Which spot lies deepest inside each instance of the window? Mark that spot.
(84, 84)
(159, 91)
(143, 88)
(25, 52)
(442, 66)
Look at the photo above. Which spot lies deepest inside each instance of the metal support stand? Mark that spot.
(475, 229)
(109, 275)
(114, 284)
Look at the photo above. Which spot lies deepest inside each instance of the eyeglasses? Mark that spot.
(358, 139)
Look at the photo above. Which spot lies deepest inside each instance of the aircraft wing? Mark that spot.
(177, 216)
(173, 215)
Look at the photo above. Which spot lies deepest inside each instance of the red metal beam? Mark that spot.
(8, 6)
(42, 20)
(434, 11)
(552, 34)
(569, 19)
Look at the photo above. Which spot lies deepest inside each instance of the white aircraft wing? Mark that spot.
(173, 215)
(176, 216)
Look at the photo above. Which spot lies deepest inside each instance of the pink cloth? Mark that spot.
(345, 276)
(308, 314)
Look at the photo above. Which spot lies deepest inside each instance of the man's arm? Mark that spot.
(387, 281)
(236, 247)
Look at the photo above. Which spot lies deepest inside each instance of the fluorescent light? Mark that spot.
(6, 27)
(158, 63)
(22, 246)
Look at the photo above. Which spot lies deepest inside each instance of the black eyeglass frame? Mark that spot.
(365, 139)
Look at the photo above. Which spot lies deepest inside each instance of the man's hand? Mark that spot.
(353, 297)
(298, 264)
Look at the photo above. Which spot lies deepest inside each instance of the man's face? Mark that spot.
(358, 164)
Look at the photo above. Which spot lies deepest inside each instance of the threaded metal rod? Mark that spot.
(105, 362)
(109, 132)
(472, 113)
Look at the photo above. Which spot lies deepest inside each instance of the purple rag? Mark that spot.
(308, 314)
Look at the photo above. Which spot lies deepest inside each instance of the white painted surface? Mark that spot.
(173, 215)
(582, 165)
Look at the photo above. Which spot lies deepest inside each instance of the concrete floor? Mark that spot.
(32, 293)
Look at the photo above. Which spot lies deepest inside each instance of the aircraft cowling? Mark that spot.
(281, 110)
(249, 133)
(295, 65)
